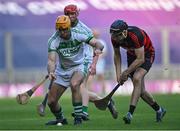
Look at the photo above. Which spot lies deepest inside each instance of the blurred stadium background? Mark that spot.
(26, 25)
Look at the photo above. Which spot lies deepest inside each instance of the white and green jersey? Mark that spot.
(82, 29)
(70, 52)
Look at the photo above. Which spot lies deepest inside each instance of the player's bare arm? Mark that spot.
(98, 46)
(138, 61)
(97, 51)
(117, 63)
(93, 65)
(51, 65)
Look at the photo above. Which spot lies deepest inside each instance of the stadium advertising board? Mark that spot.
(141, 12)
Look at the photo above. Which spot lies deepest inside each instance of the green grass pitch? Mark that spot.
(24, 117)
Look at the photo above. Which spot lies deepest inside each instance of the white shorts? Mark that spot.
(63, 76)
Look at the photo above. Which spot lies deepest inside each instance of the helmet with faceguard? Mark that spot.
(118, 26)
(63, 22)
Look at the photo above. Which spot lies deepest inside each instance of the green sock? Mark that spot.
(85, 109)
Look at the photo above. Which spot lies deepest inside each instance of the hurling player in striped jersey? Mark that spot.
(140, 57)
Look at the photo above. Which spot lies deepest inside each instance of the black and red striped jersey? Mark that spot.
(136, 38)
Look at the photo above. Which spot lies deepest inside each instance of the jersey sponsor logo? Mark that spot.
(69, 48)
(69, 51)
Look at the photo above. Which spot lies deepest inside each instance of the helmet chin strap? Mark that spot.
(125, 33)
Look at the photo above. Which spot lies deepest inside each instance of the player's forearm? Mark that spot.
(134, 65)
(97, 45)
(117, 63)
(95, 59)
(51, 62)
(51, 66)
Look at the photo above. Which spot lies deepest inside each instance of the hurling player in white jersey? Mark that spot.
(72, 69)
(76, 25)
(73, 12)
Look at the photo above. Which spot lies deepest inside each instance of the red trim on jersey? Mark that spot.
(135, 39)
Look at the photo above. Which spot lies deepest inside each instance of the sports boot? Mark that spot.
(127, 118)
(77, 120)
(85, 116)
(160, 114)
(112, 109)
(55, 122)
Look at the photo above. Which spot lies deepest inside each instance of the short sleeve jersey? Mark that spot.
(70, 52)
(136, 38)
(82, 29)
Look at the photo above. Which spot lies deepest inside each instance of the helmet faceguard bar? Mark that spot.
(115, 31)
(118, 26)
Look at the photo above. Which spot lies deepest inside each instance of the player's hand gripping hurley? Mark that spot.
(24, 97)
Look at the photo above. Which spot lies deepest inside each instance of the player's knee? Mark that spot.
(75, 85)
(137, 78)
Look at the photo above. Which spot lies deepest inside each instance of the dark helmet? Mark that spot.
(118, 26)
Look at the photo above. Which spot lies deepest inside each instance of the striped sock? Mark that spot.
(77, 109)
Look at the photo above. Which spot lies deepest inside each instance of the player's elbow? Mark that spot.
(100, 46)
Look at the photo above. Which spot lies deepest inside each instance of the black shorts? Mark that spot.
(146, 65)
